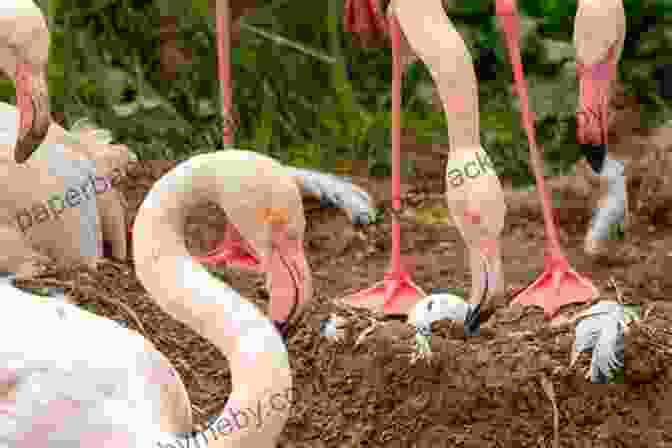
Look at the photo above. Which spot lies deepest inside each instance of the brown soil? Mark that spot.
(482, 392)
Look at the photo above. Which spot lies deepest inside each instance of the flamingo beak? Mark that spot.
(32, 101)
(594, 94)
(288, 277)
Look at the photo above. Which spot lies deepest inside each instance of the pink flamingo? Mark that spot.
(476, 202)
(599, 33)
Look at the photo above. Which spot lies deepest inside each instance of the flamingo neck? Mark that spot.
(257, 356)
(433, 38)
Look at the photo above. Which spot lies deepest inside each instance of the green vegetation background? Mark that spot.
(295, 100)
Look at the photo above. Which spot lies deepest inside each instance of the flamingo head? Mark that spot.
(24, 50)
(266, 229)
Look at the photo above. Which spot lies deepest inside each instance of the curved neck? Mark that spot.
(184, 289)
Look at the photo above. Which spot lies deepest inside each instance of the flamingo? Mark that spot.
(599, 33)
(476, 197)
(36, 225)
(112, 399)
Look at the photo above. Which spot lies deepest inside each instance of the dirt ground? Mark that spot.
(482, 392)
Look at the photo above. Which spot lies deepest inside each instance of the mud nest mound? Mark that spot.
(484, 391)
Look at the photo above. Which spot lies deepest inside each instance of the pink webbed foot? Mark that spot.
(557, 286)
(395, 295)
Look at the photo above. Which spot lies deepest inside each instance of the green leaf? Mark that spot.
(201, 8)
(87, 89)
(127, 109)
(150, 103)
(116, 82)
(557, 51)
(7, 90)
(616, 232)
(206, 108)
(632, 313)
(617, 376)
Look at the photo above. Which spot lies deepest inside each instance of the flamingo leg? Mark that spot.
(559, 284)
(224, 68)
(231, 249)
(396, 294)
(224, 74)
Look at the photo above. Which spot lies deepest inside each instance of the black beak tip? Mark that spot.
(283, 329)
(472, 322)
(595, 155)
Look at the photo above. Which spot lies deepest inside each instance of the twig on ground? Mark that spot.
(373, 327)
(651, 332)
(198, 410)
(619, 294)
(547, 385)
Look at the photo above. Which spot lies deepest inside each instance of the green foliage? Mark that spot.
(616, 232)
(106, 64)
(617, 376)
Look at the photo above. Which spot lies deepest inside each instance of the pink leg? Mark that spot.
(559, 284)
(224, 68)
(232, 249)
(396, 294)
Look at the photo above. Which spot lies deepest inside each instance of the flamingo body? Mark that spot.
(57, 367)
